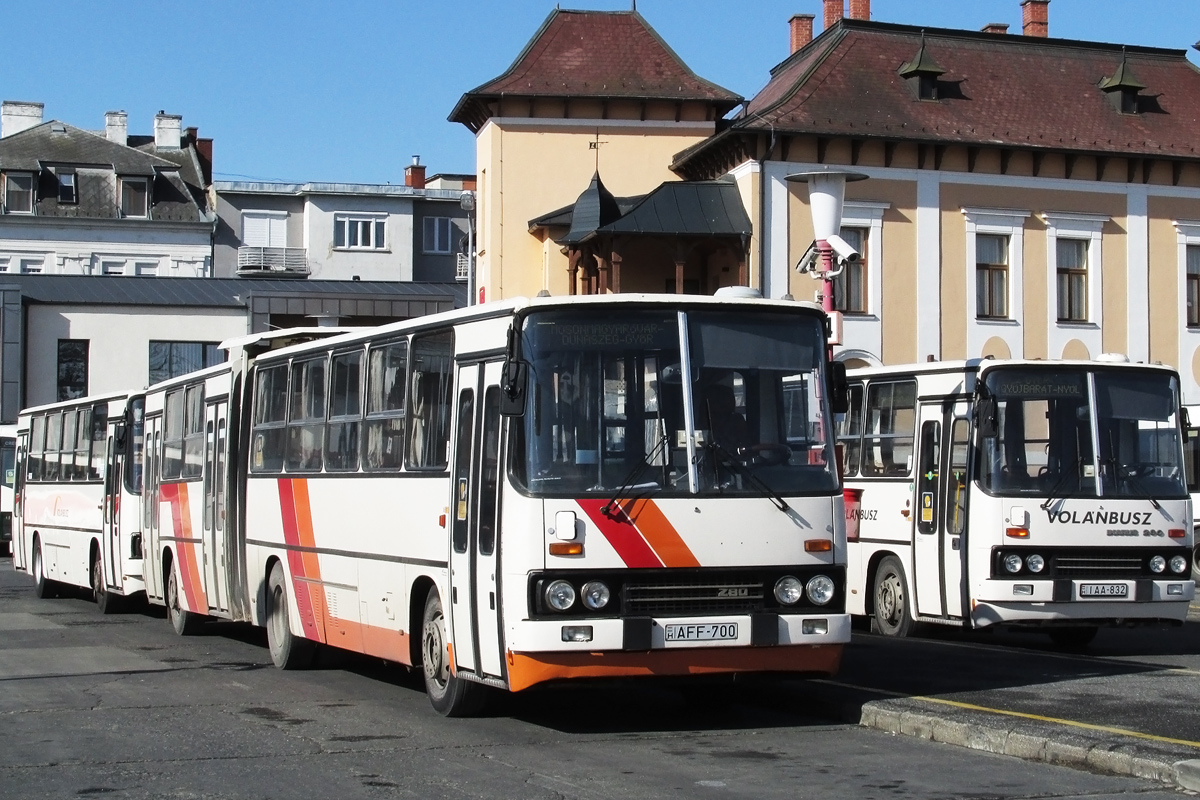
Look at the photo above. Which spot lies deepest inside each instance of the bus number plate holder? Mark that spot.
(1103, 590)
(702, 632)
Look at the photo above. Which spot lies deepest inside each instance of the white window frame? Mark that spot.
(276, 222)
(8, 176)
(1187, 233)
(864, 332)
(435, 250)
(1088, 227)
(996, 222)
(358, 217)
(121, 182)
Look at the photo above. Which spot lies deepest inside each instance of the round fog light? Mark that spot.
(788, 590)
(820, 589)
(1012, 563)
(560, 595)
(1035, 563)
(596, 595)
(1178, 564)
(1157, 563)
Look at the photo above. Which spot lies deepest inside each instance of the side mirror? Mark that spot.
(985, 417)
(119, 437)
(512, 388)
(1185, 422)
(839, 387)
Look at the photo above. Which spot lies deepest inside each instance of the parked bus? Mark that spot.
(1191, 462)
(8, 473)
(1032, 493)
(76, 514)
(516, 493)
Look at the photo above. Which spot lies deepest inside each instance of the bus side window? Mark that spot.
(891, 418)
(37, 448)
(67, 467)
(430, 395)
(849, 430)
(345, 411)
(270, 417)
(956, 481)
(193, 446)
(50, 462)
(306, 416)
(99, 435)
(386, 378)
(172, 458)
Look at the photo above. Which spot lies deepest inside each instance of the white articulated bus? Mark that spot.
(1017, 492)
(76, 512)
(517, 493)
(1191, 457)
(8, 478)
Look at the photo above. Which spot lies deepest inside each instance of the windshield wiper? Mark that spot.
(741, 469)
(1134, 480)
(1061, 482)
(630, 483)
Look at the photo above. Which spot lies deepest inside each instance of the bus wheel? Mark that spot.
(44, 588)
(1073, 638)
(184, 622)
(106, 601)
(450, 696)
(288, 651)
(1196, 563)
(892, 617)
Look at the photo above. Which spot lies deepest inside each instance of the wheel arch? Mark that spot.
(417, 597)
(872, 570)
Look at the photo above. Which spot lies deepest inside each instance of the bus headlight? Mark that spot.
(596, 595)
(820, 589)
(1035, 563)
(1012, 563)
(1178, 564)
(560, 595)
(789, 590)
(1157, 564)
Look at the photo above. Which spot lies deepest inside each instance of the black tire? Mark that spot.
(43, 587)
(449, 696)
(891, 607)
(288, 651)
(1196, 562)
(106, 601)
(184, 622)
(1073, 638)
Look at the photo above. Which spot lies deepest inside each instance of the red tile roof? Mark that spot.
(597, 54)
(998, 91)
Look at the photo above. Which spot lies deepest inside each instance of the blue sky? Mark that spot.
(351, 90)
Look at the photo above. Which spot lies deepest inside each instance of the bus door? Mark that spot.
(215, 495)
(151, 513)
(111, 538)
(474, 543)
(954, 528)
(927, 557)
(20, 557)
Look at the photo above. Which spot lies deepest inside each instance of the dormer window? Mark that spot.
(134, 197)
(1123, 88)
(924, 72)
(67, 193)
(18, 193)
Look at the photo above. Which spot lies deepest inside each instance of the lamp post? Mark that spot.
(466, 201)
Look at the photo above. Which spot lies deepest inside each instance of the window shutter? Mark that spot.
(256, 231)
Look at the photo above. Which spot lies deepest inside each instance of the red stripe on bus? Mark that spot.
(194, 574)
(312, 562)
(169, 493)
(291, 535)
(660, 534)
(621, 533)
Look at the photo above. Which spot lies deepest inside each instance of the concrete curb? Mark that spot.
(1032, 740)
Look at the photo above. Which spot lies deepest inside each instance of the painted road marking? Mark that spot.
(1020, 714)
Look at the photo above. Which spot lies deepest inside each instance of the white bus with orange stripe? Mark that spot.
(77, 497)
(528, 491)
(1043, 494)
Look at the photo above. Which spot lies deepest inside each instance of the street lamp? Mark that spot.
(466, 201)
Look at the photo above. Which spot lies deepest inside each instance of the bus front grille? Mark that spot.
(708, 595)
(1099, 566)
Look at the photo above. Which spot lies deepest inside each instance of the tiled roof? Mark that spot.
(598, 54)
(997, 91)
(56, 142)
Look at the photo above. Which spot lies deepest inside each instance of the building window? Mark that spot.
(172, 359)
(1193, 285)
(437, 235)
(18, 193)
(991, 276)
(850, 287)
(66, 188)
(359, 232)
(72, 368)
(112, 267)
(1072, 280)
(134, 197)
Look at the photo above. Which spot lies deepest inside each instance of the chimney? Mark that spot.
(995, 27)
(16, 116)
(1036, 20)
(116, 126)
(168, 130)
(834, 10)
(414, 175)
(860, 9)
(802, 30)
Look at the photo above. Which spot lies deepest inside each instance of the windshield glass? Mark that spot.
(1047, 444)
(605, 408)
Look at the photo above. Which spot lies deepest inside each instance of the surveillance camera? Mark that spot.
(806, 261)
(843, 249)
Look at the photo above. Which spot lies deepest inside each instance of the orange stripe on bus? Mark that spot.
(661, 535)
(312, 562)
(195, 553)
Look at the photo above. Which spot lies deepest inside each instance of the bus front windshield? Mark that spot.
(1083, 433)
(606, 404)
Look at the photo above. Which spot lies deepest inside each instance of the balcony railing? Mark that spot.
(279, 262)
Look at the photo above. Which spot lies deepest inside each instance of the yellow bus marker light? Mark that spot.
(818, 546)
(566, 548)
